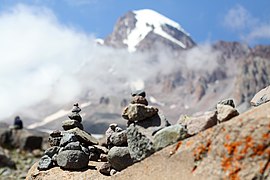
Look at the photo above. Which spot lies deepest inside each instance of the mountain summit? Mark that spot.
(146, 29)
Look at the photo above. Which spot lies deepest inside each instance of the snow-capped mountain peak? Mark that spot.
(137, 30)
(147, 21)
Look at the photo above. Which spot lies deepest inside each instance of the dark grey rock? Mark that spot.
(103, 157)
(70, 124)
(229, 102)
(73, 146)
(84, 137)
(5, 161)
(140, 145)
(72, 160)
(169, 135)
(92, 149)
(138, 93)
(54, 141)
(101, 149)
(105, 169)
(68, 138)
(85, 150)
(139, 100)
(75, 116)
(119, 138)
(76, 108)
(56, 133)
(45, 163)
(119, 158)
(52, 151)
(93, 156)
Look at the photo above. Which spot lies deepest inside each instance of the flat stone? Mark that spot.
(75, 116)
(139, 100)
(138, 112)
(83, 136)
(73, 146)
(67, 138)
(72, 160)
(229, 102)
(70, 124)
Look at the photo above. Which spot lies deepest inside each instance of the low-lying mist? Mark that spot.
(42, 59)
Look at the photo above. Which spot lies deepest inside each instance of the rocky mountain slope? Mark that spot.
(236, 149)
(192, 78)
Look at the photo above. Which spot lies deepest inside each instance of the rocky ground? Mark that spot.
(236, 149)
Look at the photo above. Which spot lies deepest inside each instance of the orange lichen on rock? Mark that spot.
(232, 147)
(176, 148)
(201, 150)
(232, 166)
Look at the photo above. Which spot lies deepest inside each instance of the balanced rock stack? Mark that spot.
(70, 149)
(74, 119)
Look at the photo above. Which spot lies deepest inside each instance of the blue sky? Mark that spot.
(230, 20)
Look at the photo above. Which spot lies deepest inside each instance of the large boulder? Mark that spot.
(21, 138)
(261, 97)
(201, 122)
(119, 158)
(140, 143)
(169, 135)
(5, 161)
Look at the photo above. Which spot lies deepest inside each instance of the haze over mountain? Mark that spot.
(147, 51)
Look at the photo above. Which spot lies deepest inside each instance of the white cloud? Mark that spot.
(250, 28)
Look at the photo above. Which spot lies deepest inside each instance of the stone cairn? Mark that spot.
(135, 143)
(72, 148)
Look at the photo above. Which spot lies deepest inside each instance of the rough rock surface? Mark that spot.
(200, 123)
(70, 124)
(72, 159)
(83, 136)
(169, 135)
(225, 112)
(119, 158)
(119, 138)
(261, 97)
(140, 146)
(236, 149)
(138, 112)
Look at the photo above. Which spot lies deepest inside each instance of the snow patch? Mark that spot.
(147, 21)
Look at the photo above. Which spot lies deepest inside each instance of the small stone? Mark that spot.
(75, 116)
(54, 141)
(225, 112)
(72, 160)
(139, 100)
(70, 124)
(119, 138)
(104, 157)
(261, 97)
(67, 138)
(105, 169)
(138, 93)
(76, 108)
(93, 156)
(229, 102)
(45, 163)
(52, 151)
(56, 133)
(73, 146)
(101, 149)
(113, 172)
